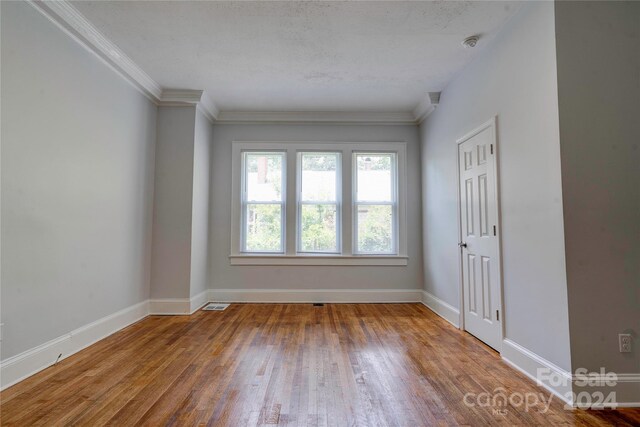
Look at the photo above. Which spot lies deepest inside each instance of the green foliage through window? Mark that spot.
(264, 228)
(375, 229)
(318, 228)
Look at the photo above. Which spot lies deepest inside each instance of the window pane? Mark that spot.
(318, 226)
(264, 228)
(319, 176)
(264, 176)
(374, 183)
(375, 229)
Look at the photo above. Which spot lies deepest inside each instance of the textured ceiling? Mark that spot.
(301, 56)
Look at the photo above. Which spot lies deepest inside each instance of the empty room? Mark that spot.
(319, 213)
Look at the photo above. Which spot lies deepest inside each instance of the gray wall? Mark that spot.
(200, 209)
(180, 260)
(225, 276)
(599, 98)
(515, 79)
(172, 208)
(77, 184)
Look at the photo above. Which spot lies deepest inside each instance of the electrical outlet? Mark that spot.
(625, 343)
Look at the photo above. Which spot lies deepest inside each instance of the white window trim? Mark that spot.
(347, 234)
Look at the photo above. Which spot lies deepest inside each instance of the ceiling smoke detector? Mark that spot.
(470, 41)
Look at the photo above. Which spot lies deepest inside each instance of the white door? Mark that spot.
(479, 235)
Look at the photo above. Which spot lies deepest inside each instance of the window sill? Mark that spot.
(335, 260)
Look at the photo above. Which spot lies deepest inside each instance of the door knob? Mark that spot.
(462, 244)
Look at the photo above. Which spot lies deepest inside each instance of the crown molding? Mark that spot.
(426, 106)
(208, 107)
(178, 97)
(70, 20)
(333, 117)
(188, 97)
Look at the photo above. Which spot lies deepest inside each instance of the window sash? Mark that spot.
(393, 173)
(245, 173)
(393, 203)
(245, 201)
(337, 202)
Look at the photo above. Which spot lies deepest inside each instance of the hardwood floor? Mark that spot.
(285, 364)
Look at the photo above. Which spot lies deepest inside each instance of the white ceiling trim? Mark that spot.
(208, 107)
(426, 106)
(339, 117)
(71, 21)
(186, 97)
(171, 97)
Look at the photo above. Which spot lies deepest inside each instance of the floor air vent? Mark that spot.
(215, 306)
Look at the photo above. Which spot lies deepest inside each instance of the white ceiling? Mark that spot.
(300, 56)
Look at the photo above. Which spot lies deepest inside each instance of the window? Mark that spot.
(263, 202)
(320, 203)
(375, 203)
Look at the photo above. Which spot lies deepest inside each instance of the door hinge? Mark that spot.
(491, 148)
(497, 315)
(494, 230)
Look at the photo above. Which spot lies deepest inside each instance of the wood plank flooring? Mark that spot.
(285, 364)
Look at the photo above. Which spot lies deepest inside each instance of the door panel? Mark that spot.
(478, 218)
(486, 287)
(469, 202)
(483, 211)
(471, 274)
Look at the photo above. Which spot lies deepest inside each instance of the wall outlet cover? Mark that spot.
(625, 343)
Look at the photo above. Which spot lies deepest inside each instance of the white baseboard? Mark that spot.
(25, 364)
(441, 308)
(528, 363)
(316, 295)
(197, 301)
(626, 389)
(170, 306)
(178, 306)
(567, 387)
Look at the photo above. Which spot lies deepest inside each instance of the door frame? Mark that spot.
(489, 124)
